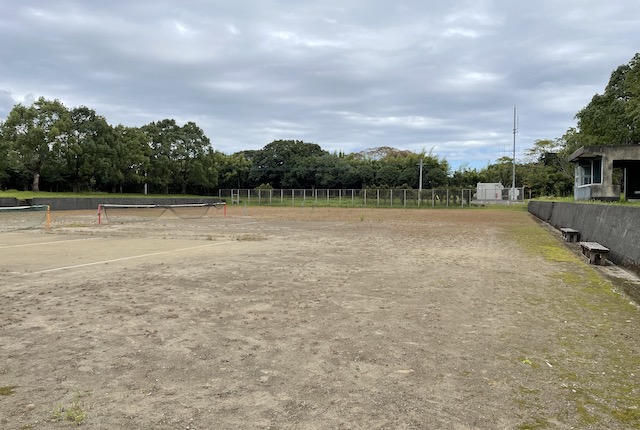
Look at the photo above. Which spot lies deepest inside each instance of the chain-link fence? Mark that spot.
(439, 197)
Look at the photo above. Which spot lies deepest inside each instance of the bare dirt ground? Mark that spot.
(302, 318)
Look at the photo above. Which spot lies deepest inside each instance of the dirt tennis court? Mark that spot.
(312, 318)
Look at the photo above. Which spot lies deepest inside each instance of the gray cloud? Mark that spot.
(346, 75)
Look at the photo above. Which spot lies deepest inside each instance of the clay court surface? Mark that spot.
(312, 318)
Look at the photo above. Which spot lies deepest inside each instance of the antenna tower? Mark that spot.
(513, 172)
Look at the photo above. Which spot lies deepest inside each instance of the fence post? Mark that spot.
(433, 198)
(405, 198)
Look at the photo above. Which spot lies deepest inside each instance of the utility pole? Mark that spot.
(512, 194)
(420, 183)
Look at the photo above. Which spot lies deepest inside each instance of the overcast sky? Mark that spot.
(345, 74)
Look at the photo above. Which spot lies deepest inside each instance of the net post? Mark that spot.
(48, 218)
(99, 210)
(224, 209)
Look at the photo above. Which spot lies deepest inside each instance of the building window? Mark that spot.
(589, 172)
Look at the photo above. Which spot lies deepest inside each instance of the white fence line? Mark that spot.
(440, 197)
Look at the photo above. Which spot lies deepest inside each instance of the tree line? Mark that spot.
(47, 146)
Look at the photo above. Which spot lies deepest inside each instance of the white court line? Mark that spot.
(47, 243)
(246, 223)
(127, 258)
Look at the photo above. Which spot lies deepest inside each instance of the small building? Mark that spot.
(594, 172)
(489, 191)
(496, 193)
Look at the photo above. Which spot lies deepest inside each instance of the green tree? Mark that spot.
(4, 155)
(465, 177)
(179, 157)
(162, 135)
(271, 164)
(131, 162)
(364, 173)
(87, 156)
(193, 161)
(612, 118)
(633, 90)
(320, 171)
(387, 175)
(233, 170)
(33, 131)
(548, 171)
(501, 172)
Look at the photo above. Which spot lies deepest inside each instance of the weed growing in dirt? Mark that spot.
(7, 391)
(528, 362)
(538, 423)
(250, 237)
(73, 413)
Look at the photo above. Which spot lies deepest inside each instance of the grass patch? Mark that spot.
(72, 413)
(26, 195)
(596, 370)
(587, 202)
(537, 423)
(250, 237)
(536, 240)
(7, 390)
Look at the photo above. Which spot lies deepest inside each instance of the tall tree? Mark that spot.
(162, 136)
(4, 155)
(188, 154)
(178, 156)
(270, 164)
(612, 118)
(32, 132)
(89, 151)
(132, 157)
(233, 170)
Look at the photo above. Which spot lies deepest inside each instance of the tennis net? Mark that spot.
(124, 213)
(24, 217)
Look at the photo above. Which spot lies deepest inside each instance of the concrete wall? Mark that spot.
(614, 226)
(8, 201)
(92, 203)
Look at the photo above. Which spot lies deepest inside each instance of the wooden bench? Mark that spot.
(570, 235)
(596, 253)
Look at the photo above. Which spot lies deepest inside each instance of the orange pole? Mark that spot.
(99, 207)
